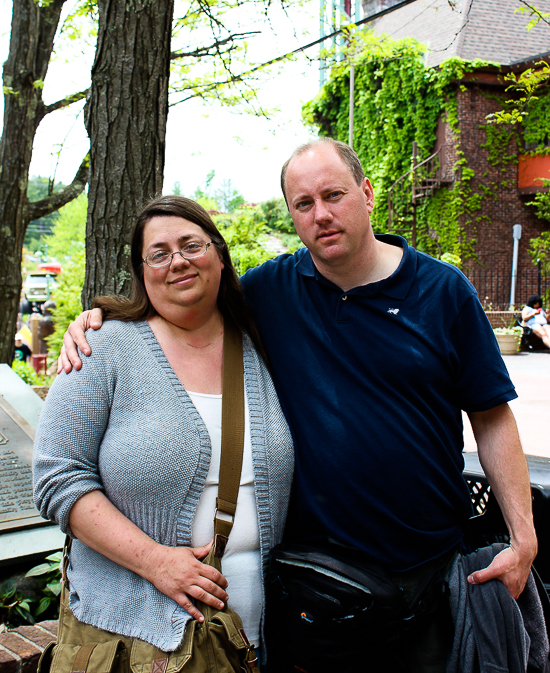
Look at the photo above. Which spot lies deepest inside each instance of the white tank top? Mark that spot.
(241, 561)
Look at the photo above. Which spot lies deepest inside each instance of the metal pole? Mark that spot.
(322, 62)
(355, 15)
(351, 104)
(516, 232)
(413, 233)
(539, 278)
(335, 25)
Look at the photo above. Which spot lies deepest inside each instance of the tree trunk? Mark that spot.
(126, 122)
(32, 35)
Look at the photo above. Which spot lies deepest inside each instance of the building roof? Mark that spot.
(470, 29)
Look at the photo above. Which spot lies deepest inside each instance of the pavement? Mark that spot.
(530, 374)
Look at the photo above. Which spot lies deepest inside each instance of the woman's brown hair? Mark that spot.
(139, 307)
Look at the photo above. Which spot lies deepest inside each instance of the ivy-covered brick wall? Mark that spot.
(399, 100)
(490, 152)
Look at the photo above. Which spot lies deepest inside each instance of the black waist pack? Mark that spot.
(325, 611)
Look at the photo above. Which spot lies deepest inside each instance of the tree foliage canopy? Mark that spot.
(69, 231)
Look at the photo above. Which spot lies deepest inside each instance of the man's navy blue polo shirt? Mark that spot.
(372, 382)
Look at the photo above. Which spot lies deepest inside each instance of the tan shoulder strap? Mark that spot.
(232, 434)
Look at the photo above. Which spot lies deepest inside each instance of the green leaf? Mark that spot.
(42, 569)
(54, 587)
(25, 614)
(8, 588)
(43, 605)
(56, 558)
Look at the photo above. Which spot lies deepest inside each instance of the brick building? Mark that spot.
(492, 31)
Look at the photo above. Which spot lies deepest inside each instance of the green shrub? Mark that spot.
(23, 605)
(69, 231)
(244, 233)
(68, 300)
(291, 242)
(276, 216)
(49, 575)
(26, 372)
(14, 609)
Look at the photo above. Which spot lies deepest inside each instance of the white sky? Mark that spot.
(248, 150)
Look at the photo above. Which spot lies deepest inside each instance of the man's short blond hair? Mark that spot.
(348, 156)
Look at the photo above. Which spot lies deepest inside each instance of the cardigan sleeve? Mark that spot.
(69, 434)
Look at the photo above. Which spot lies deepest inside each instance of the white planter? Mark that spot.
(508, 343)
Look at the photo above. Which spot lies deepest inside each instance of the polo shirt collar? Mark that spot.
(399, 283)
(396, 286)
(304, 264)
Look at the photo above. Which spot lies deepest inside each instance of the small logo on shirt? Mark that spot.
(394, 311)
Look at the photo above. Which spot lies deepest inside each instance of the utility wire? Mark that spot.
(367, 19)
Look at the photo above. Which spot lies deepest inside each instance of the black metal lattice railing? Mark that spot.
(479, 493)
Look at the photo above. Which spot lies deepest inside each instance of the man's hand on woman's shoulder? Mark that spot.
(74, 337)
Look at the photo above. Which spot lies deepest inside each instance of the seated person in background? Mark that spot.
(535, 317)
(22, 351)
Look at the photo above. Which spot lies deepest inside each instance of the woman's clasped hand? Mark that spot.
(178, 573)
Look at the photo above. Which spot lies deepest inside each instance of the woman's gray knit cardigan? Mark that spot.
(124, 424)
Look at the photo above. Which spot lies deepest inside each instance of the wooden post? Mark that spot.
(35, 322)
(38, 361)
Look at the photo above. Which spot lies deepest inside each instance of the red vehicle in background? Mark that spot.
(51, 267)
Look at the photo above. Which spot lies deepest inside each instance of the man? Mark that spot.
(375, 350)
(22, 352)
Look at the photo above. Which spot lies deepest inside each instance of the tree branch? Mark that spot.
(37, 209)
(200, 89)
(206, 51)
(65, 102)
(536, 12)
(240, 78)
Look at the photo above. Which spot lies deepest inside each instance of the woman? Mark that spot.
(535, 317)
(131, 470)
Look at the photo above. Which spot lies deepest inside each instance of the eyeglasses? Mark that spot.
(163, 258)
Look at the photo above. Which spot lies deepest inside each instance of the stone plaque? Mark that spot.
(16, 445)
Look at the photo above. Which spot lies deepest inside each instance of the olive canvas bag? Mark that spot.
(217, 645)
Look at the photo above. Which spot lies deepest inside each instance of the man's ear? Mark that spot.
(369, 193)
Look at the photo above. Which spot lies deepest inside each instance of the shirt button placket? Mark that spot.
(341, 316)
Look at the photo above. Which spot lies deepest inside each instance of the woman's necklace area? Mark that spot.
(178, 339)
(211, 343)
